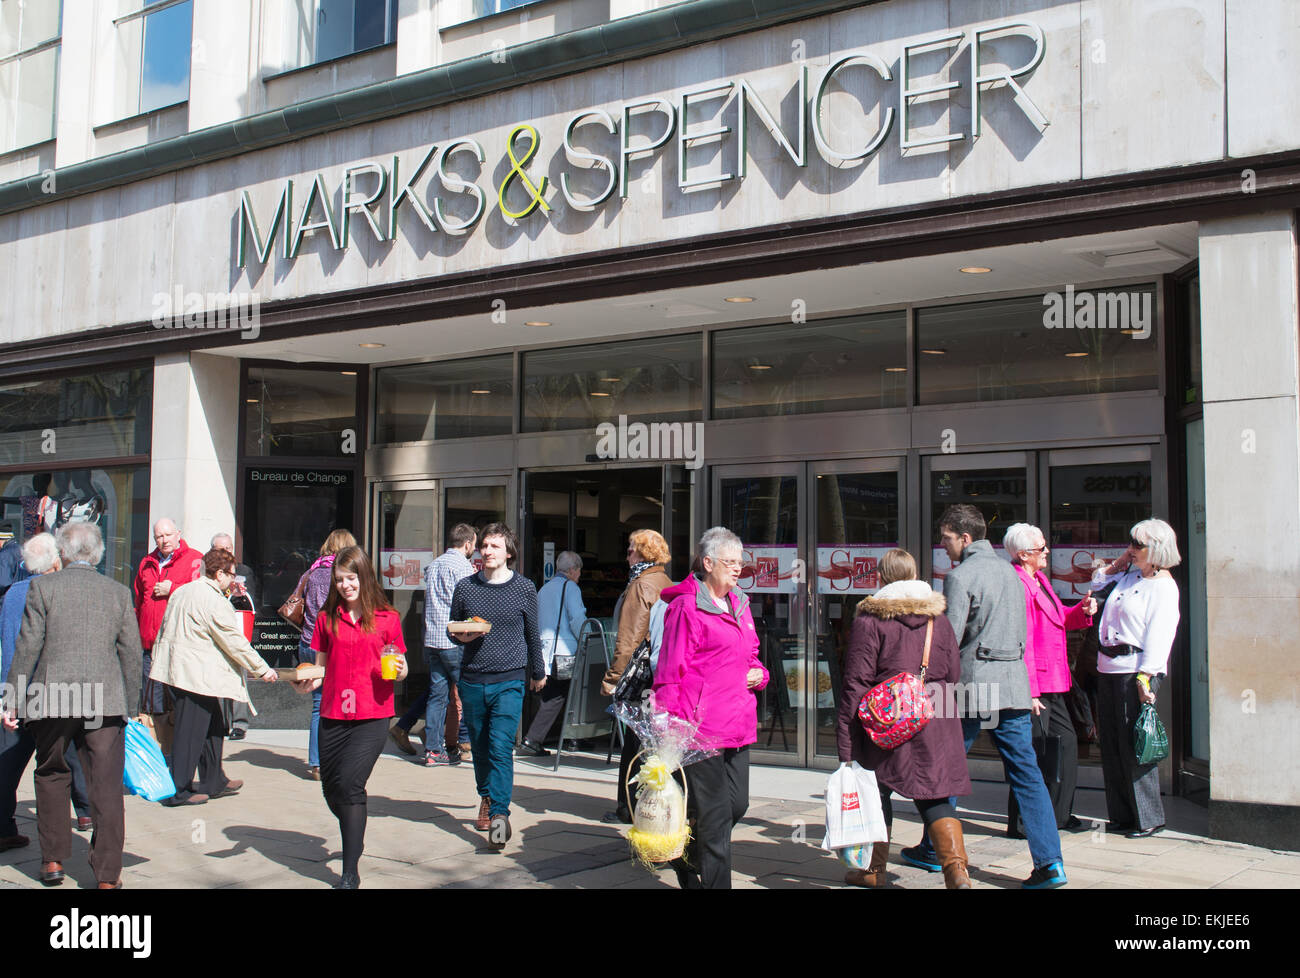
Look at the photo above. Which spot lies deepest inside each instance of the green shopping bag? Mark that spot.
(1150, 741)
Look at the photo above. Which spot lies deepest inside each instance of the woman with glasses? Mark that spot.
(1138, 624)
(647, 558)
(709, 672)
(1047, 620)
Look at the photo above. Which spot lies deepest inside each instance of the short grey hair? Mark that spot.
(222, 536)
(40, 553)
(1021, 536)
(80, 542)
(567, 561)
(1161, 541)
(716, 539)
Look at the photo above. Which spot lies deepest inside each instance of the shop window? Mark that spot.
(1191, 299)
(301, 412)
(452, 399)
(1087, 342)
(655, 380)
(30, 40)
(322, 30)
(153, 39)
(114, 498)
(100, 416)
(852, 364)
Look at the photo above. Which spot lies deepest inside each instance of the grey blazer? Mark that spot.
(79, 627)
(986, 606)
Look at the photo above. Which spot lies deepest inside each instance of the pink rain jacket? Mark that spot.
(705, 656)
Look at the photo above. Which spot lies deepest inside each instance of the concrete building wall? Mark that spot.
(1251, 355)
(195, 447)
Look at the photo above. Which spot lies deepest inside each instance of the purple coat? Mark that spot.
(887, 637)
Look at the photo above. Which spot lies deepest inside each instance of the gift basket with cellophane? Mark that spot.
(659, 831)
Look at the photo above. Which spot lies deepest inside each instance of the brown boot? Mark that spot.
(945, 835)
(874, 874)
(484, 820)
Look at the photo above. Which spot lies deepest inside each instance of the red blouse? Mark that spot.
(352, 688)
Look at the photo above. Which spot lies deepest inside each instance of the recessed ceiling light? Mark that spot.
(760, 366)
(1076, 354)
(371, 346)
(481, 392)
(536, 322)
(739, 298)
(251, 400)
(348, 373)
(610, 380)
(935, 353)
(974, 269)
(895, 370)
(600, 394)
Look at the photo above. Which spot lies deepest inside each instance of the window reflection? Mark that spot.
(453, 399)
(290, 411)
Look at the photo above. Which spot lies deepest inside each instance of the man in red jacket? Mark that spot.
(172, 564)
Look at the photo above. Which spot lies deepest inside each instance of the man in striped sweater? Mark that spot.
(494, 670)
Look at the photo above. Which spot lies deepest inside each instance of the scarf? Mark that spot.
(326, 561)
(638, 568)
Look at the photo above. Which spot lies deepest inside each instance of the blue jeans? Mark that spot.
(305, 654)
(1014, 739)
(444, 672)
(16, 750)
(492, 713)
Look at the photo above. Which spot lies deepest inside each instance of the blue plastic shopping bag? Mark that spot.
(145, 772)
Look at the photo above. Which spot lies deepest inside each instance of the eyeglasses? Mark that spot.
(734, 564)
(1037, 550)
(1136, 544)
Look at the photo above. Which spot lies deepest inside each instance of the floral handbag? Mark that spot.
(894, 710)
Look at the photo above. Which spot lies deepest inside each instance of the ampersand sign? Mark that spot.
(517, 169)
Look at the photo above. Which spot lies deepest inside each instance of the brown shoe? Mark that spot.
(949, 847)
(484, 820)
(51, 874)
(463, 748)
(232, 788)
(874, 874)
(402, 739)
(313, 774)
(85, 823)
(109, 886)
(13, 842)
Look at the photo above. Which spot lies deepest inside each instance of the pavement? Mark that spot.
(277, 833)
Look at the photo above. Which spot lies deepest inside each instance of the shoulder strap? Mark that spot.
(925, 656)
(555, 645)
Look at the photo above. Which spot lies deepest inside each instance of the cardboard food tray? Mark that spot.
(309, 672)
(469, 627)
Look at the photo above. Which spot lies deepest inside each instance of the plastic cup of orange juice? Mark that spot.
(388, 657)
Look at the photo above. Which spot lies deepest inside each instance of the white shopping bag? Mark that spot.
(853, 813)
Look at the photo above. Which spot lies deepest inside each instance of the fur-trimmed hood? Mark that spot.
(903, 598)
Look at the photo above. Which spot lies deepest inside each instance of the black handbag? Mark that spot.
(636, 678)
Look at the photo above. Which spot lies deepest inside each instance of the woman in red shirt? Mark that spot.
(356, 701)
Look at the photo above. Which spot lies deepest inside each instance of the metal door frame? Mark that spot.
(1025, 459)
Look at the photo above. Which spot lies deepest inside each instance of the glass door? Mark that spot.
(406, 536)
(857, 517)
(764, 506)
(999, 485)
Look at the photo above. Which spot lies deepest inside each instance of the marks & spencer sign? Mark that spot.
(369, 198)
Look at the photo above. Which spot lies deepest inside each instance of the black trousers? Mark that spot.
(1057, 747)
(348, 752)
(717, 800)
(103, 754)
(1132, 789)
(931, 809)
(552, 699)
(197, 742)
(631, 746)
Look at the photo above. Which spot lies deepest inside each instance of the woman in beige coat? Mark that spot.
(201, 653)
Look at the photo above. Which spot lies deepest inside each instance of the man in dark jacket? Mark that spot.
(77, 667)
(986, 606)
(11, 565)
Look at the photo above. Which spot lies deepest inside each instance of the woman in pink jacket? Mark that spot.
(708, 673)
(1047, 621)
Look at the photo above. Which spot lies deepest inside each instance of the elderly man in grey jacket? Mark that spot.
(76, 669)
(986, 607)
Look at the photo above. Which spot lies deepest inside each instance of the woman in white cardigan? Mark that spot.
(1138, 624)
(202, 654)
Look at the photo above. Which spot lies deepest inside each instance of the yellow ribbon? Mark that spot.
(654, 774)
